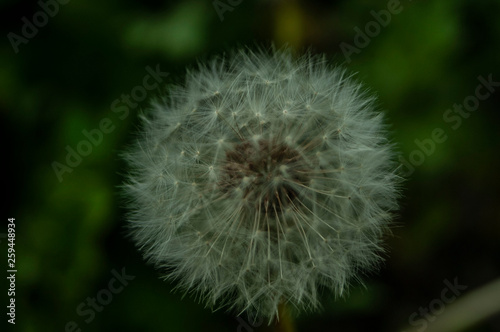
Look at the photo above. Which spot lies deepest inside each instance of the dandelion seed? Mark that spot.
(278, 201)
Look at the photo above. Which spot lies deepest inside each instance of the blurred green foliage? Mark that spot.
(71, 234)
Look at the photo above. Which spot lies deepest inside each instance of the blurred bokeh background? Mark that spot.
(65, 77)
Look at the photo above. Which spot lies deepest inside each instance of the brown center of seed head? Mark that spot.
(268, 173)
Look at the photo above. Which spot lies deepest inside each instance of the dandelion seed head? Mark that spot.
(261, 179)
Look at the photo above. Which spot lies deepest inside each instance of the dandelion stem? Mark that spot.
(285, 321)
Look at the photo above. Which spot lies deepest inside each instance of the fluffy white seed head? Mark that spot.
(262, 179)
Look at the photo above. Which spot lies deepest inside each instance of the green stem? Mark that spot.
(285, 321)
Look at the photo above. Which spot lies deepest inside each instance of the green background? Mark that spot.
(70, 234)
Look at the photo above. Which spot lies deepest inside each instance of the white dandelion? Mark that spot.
(262, 179)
